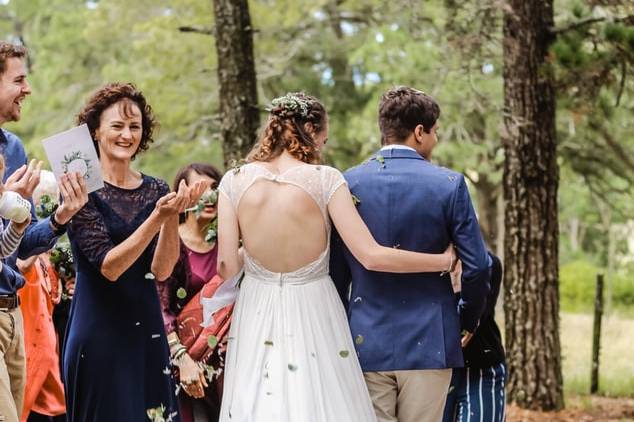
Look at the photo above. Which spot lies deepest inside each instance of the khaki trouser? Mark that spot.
(409, 396)
(12, 365)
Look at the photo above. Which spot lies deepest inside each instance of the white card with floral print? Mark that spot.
(74, 151)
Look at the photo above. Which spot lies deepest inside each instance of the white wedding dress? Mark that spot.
(290, 354)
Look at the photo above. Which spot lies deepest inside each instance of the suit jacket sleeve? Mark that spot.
(466, 235)
(38, 237)
(339, 269)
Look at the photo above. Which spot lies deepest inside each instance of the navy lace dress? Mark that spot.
(116, 358)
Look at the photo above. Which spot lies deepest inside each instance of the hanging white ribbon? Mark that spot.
(226, 294)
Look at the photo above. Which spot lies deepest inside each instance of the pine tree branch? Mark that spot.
(589, 21)
(196, 30)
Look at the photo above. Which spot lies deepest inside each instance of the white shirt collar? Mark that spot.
(397, 146)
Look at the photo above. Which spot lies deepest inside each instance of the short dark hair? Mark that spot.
(111, 94)
(200, 168)
(7, 51)
(401, 109)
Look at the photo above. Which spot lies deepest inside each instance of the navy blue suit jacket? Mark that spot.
(410, 321)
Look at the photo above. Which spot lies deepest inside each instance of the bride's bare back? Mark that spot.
(282, 226)
(282, 211)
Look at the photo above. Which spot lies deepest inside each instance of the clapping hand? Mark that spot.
(173, 203)
(74, 196)
(196, 190)
(25, 179)
(177, 202)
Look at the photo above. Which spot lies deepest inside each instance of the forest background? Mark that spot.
(347, 53)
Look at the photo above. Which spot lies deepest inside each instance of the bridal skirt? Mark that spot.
(290, 355)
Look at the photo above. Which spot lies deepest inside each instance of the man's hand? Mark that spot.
(25, 179)
(74, 197)
(465, 339)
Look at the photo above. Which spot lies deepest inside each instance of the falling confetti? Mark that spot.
(212, 341)
(181, 293)
(156, 414)
(268, 343)
(359, 339)
(149, 276)
(344, 353)
(292, 367)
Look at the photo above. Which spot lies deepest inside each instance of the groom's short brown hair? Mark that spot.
(401, 109)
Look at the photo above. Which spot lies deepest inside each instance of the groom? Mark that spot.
(405, 326)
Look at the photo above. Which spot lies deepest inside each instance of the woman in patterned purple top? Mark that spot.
(196, 266)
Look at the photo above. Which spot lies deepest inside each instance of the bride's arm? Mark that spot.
(374, 257)
(229, 261)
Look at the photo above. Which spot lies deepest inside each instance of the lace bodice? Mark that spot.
(319, 182)
(111, 215)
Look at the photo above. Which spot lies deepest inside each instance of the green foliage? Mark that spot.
(577, 287)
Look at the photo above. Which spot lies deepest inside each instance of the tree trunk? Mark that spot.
(239, 114)
(531, 177)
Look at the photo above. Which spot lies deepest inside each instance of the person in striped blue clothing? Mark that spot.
(476, 392)
(17, 211)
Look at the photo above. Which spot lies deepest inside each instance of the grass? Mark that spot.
(616, 364)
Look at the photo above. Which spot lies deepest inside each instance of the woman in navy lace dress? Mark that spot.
(116, 360)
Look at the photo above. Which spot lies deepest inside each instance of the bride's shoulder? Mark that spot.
(327, 170)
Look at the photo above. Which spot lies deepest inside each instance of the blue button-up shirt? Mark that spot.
(39, 236)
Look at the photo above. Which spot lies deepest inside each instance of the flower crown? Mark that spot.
(294, 102)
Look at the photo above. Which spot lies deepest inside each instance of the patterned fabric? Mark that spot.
(476, 394)
(9, 239)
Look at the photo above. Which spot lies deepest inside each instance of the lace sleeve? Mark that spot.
(88, 229)
(331, 180)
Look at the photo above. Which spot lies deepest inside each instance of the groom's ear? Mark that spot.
(419, 132)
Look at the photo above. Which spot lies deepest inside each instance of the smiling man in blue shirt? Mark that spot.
(39, 237)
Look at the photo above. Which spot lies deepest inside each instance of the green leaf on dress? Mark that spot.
(181, 293)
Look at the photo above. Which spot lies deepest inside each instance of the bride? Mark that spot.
(290, 353)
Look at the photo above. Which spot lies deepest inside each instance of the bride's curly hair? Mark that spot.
(284, 129)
